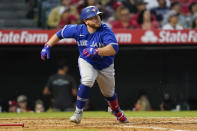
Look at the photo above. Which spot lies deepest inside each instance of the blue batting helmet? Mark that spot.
(89, 12)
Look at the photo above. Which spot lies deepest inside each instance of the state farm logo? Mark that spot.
(149, 36)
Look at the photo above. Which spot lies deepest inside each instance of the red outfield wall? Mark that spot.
(126, 37)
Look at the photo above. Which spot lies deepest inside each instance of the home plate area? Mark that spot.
(105, 124)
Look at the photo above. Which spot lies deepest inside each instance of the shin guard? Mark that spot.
(82, 96)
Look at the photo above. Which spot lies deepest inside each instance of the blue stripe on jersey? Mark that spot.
(100, 38)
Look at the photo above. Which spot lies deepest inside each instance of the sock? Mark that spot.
(113, 102)
(82, 96)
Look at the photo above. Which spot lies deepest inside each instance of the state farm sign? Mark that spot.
(167, 36)
(23, 37)
(126, 37)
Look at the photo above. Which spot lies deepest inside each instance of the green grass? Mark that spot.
(102, 114)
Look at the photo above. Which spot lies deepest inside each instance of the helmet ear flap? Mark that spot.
(101, 16)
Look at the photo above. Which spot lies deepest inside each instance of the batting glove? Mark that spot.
(90, 52)
(45, 52)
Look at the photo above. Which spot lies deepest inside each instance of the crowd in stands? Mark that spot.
(142, 103)
(21, 105)
(129, 14)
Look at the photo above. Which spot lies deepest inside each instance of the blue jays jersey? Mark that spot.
(101, 37)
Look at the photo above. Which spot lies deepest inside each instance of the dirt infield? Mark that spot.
(106, 124)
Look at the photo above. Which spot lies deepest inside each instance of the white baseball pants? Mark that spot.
(105, 78)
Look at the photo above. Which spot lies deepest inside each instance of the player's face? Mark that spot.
(94, 22)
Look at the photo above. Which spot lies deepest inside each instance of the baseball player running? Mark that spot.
(97, 47)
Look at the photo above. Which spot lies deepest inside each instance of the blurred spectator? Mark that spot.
(177, 8)
(194, 22)
(73, 19)
(63, 87)
(141, 5)
(167, 103)
(90, 2)
(84, 3)
(184, 5)
(67, 18)
(192, 14)
(151, 4)
(160, 10)
(31, 6)
(130, 4)
(64, 18)
(22, 104)
(146, 21)
(12, 106)
(55, 14)
(117, 7)
(172, 22)
(193, 8)
(154, 3)
(39, 106)
(142, 104)
(123, 21)
(105, 6)
(181, 103)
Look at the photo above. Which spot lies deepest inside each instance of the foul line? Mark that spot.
(125, 126)
(149, 127)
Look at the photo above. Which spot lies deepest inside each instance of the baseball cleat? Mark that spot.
(120, 116)
(76, 118)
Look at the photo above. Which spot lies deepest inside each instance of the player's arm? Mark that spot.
(111, 46)
(53, 40)
(106, 51)
(46, 50)
(68, 31)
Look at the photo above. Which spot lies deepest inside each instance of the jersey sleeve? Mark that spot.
(69, 31)
(110, 39)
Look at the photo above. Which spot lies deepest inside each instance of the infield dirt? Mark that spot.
(105, 124)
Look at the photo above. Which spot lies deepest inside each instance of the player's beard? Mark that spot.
(95, 25)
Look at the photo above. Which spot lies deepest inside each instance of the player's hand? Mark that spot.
(90, 52)
(45, 52)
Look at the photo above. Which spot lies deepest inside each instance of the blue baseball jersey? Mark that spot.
(101, 37)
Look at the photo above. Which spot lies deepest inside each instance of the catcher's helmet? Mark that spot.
(89, 12)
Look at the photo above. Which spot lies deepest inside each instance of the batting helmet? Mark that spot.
(89, 12)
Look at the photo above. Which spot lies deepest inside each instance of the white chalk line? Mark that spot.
(149, 127)
(125, 126)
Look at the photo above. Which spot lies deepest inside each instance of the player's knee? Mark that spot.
(88, 82)
(108, 93)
